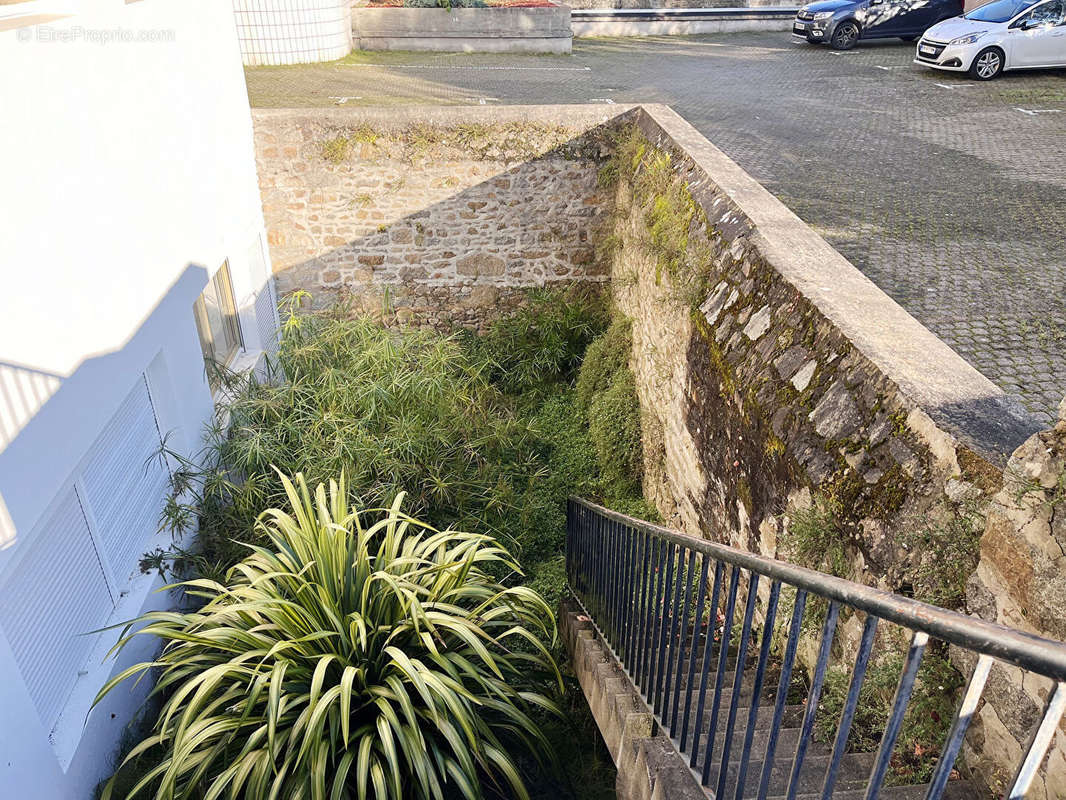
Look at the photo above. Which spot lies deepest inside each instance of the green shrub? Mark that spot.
(543, 343)
(359, 653)
(605, 357)
(946, 555)
(395, 411)
(614, 427)
(634, 507)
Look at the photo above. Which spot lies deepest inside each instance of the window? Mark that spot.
(1048, 14)
(999, 11)
(216, 321)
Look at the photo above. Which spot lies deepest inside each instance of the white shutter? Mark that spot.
(56, 593)
(126, 483)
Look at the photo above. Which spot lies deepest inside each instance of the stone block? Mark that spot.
(480, 265)
(836, 414)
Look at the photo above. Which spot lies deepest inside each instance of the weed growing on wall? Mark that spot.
(816, 538)
(606, 400)
(614, 427)
(502, 141)
(606, 357)
(947, 554)
(671, 213)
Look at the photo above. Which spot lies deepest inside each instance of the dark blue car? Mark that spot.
(842, 23)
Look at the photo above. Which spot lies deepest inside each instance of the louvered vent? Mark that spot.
(266, 316)
(126, 483)
(55, 594)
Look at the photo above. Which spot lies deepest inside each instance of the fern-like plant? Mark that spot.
(353, 657)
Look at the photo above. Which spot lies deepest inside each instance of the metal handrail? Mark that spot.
(630, 577)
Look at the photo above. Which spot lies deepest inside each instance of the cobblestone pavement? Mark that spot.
(949, 194)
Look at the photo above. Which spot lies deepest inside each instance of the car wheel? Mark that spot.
(845, 36)
(987, 65)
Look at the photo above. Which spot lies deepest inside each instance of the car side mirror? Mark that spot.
(1029, 24)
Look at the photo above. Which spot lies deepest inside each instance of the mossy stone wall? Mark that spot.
(776, 423)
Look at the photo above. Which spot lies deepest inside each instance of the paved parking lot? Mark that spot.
(950, 195)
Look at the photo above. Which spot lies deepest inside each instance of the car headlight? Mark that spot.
(823, 15)
(973, 37)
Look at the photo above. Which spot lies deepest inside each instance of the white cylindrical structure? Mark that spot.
(273, 32)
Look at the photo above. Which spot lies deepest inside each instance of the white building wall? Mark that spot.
(128, 178)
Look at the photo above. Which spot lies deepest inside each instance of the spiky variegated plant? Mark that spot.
(347, 661)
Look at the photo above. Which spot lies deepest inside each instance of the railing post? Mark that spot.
(848, 714)
(738, 680)
(723, 656)
(813, 698)
(705, 668)
(760, 674)
(678, 636)
(665, 625)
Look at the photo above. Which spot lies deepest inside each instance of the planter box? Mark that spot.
(464, 30)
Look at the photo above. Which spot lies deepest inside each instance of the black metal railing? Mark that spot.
(649, 591)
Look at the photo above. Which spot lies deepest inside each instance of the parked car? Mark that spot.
(1005, 34)
(842, 23)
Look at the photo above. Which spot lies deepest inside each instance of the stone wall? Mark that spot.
(792, 375)
(774, 379)
(517, 29)
(432, 216)
(1021, 581)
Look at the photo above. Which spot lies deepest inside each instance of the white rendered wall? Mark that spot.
(129, 177)
(273, 32)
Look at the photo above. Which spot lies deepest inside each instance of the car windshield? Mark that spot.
(1000, 10)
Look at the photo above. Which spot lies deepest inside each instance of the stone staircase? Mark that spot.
(648, 759)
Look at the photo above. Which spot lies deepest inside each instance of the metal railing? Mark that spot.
(648, 589)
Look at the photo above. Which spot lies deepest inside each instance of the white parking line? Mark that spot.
(340, 101)
(470, 66)
(1032, 112)
(955, 85)
(886, 69)
(606, 100)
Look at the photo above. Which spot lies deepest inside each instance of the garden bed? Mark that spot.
(501, 26)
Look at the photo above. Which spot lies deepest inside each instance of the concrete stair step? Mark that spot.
(787, 739)
(743, 705)
(793, 715)
(955, 790)
(852, 775)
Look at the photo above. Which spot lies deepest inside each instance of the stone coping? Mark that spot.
(579, 117)
(957, 397)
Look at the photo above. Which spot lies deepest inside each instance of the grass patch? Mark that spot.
(925, 725)
(816, 537)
